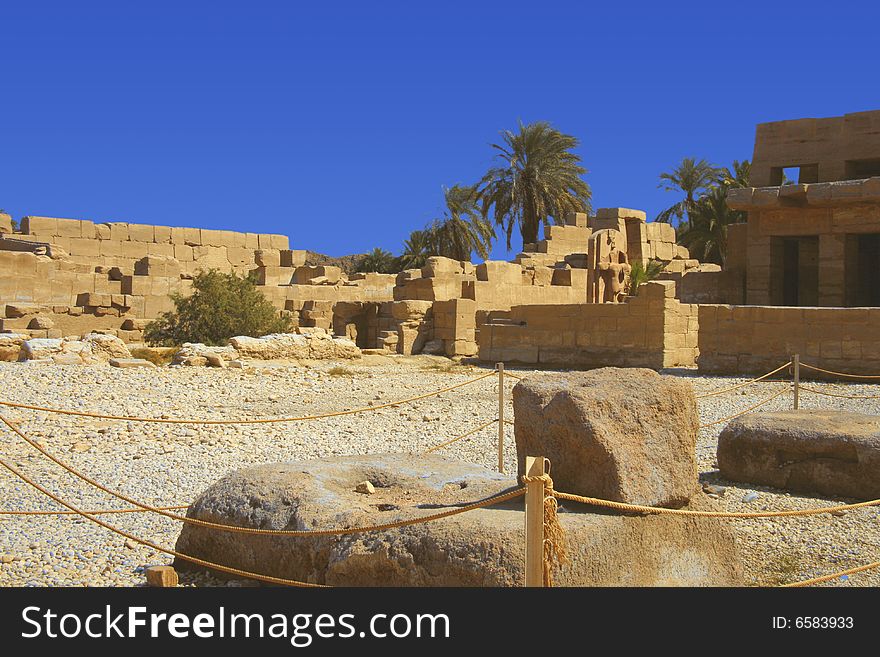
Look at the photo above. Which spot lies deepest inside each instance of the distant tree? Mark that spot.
(739, 175)
(642, 273)
(538, 178)
(220, 307)
(692, 178)
(462, 229)
(417, 249)
(378, 260)
(705, 234)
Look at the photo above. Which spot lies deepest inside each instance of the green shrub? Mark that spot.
(220, 307)
(642, 274)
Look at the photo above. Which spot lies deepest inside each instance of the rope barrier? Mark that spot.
(833, 394)
(461, 437)
(99, 512)
(253, 530)
(638, 508)
(844, 374)
(742, 385)
(832, 576)
(513, 376)
(243, 421)
(269, 579)
(750, 408)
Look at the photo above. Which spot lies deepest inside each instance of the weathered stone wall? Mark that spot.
(119, 244)
(757, 339)
(651, 330)
(828, 149)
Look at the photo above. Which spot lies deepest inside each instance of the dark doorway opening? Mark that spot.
(799, 271)
(865, 286)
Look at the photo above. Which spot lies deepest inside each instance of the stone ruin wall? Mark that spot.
(653, 330)
(749, 339)
(62, 277)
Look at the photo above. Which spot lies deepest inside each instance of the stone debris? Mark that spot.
(365, 487)
(130, 362)
(161, 576)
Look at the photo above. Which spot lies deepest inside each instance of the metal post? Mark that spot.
(796, 376)
(500, 417)
(535, 468)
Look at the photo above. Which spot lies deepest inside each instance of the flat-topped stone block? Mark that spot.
(834, 453)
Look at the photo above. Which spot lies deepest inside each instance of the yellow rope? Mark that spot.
(174, 553)
(243, 421)
(513, 376)
(750, 408)
(832, 372)
(99, 512)
(828, 578)
(461, 437)
(253, 530)
(745, 383)
(639, 508)
(832, 394)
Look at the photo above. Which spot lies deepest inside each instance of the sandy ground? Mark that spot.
(171, 464)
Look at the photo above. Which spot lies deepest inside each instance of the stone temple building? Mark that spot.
(815, 240)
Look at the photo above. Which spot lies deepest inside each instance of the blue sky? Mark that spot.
(338, 123)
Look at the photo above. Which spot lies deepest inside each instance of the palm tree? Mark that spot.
(462, 229)
(539, 177)
(739, 175)
(417, 249)
(642, 273)
(691, 177)
(705, 234)
(377, 260)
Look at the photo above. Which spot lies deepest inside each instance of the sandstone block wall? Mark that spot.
(651, 330)
(119, 244)
(827, 149)
(757, 339)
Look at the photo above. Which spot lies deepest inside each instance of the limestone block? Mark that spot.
(252, 241)
(621, 434)
(499, 272)
(118, 231)
(141, 233)
(620, 213)
(160, 249)
(267, 257)
(162, 234)
(827, 452)
(102, 231)
(10, 345)
(186, 236)
(156, 265)
(43, 226)
(5, 223)
(183, 253)
(292, 258)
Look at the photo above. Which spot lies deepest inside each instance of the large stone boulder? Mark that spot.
(104, 347)
(10, 345)
(278, 346)
(834, 453)
(92, 348)
(627, 435)
(196, 354)
(310, 344)
(478, 548)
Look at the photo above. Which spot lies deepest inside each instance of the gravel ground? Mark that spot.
(171, 464)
